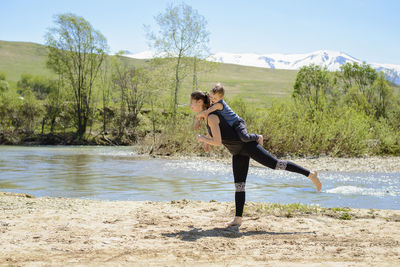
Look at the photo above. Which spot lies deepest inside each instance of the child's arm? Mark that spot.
(204, 113)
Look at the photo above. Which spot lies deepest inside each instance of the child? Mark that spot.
(216, 96)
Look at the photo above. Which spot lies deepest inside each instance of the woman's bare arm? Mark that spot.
(215, 140)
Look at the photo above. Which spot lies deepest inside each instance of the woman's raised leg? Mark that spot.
(261, 155)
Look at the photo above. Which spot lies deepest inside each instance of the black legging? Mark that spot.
(240, 164)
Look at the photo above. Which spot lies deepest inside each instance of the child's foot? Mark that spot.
(260, 140)
(314, 178)
(237, 221)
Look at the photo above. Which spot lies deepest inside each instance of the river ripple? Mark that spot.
(118, 173)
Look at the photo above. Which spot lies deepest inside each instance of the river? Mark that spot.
(118, 173)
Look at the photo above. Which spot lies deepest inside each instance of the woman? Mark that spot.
(221, 133)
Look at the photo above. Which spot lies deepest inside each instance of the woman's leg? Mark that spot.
(259, 154)
(240, 165)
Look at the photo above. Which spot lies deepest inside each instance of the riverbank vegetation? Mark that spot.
(93, 98)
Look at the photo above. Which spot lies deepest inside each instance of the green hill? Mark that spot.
(17, 58)
(257, 85)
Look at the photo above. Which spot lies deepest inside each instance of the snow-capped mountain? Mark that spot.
(141, 55)
(331, 59)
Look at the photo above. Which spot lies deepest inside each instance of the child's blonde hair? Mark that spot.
(218, 89)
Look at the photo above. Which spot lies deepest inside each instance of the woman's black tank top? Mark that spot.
(229, 137)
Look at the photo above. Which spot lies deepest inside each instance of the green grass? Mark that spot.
(17, 58)
(254, 85)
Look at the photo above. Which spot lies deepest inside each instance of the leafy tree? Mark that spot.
(381, 96)
(54, 104)
(394, 114)
(366, 88)
(353, 74)
(29, 112)
(39, 85)
(182, 36)
(313, 83)
(131, 82)
(358, 101)
(158, 97)
(4, 86)
(8, 106)
(77, 51)
(106, 93)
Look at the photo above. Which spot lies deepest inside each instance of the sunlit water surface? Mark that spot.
(118, 173)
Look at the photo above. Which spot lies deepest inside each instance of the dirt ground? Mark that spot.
(76, 232)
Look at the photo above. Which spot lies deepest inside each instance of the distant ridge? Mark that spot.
(331, 59)
(257, 85)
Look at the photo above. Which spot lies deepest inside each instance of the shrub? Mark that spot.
(296, 129)
(4, 86)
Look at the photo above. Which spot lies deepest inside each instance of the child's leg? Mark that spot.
(241, 130)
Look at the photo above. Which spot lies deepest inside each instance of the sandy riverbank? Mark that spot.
(62, 232)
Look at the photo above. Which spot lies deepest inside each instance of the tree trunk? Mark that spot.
(194, 74)
(43, 122)
(153, 122)
(53, 122)
(176, 87)
(104, 120)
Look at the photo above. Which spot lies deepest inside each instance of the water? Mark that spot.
(118, 173)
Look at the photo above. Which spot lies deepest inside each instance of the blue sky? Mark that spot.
(368, 30)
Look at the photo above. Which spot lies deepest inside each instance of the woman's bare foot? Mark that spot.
(260, 140)
(314, 178)
(237, 221)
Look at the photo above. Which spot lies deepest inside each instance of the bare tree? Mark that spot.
(181, 36)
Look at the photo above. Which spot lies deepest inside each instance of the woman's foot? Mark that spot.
(237, 221)
(314, 178)
(260, 140)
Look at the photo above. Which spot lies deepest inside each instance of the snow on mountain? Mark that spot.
(141, 55)
(391, 71)
(331, 59)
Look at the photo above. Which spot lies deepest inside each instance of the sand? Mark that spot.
(75, 232)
